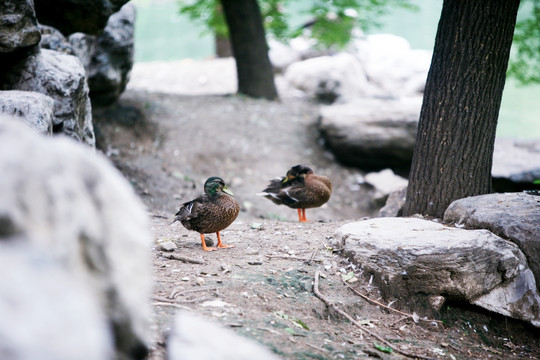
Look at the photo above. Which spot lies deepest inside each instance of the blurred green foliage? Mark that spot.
(525, 60)
(207, 12)
(331, 22)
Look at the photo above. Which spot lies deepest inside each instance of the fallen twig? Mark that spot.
(159, 303)
(181, 258)
(348, 317)
(312, 257)
(170, 301)
(292, 258)
(317, 348)
(388, 307)
(176, 293)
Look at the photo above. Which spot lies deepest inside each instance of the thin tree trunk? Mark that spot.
(255, 73)
(223, 46)
(454, 146)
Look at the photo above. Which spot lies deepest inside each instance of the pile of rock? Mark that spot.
(486, 255)
(70, 71)
(372, 66)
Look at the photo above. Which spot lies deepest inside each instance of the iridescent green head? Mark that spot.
(215, 186)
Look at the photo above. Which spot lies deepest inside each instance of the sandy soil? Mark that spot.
(167, 144)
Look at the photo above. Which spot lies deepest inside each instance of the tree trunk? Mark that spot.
(255, 74)
(223, 46)
(454, 146)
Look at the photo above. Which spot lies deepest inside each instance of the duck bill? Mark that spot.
(227, 191)
(287, 178)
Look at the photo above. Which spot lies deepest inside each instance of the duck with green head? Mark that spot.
(300, 189)
(211, 212)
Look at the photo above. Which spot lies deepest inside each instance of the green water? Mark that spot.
(161, 34)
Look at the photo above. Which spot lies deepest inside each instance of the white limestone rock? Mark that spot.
(33, 108)
(412, 258)
(191, 334)
(69, 204)
(63, 78)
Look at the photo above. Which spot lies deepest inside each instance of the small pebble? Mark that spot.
(167, 246)
(225, 267)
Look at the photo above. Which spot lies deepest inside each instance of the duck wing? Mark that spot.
(190, 209)
(283, 193)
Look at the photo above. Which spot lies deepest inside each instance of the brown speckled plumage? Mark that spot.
(211, 212)
(300, 189)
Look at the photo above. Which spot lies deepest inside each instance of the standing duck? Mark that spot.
(211, 212)
(300, 189)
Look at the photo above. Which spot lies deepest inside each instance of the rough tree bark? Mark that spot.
(454, 146)
(255, 74)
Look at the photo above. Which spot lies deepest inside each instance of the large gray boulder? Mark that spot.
(107, 58)
(384, 182)
(391, 64)
(413, 259)
(281, 55)
(371, 133)
(380, 65)
(374, 133)
(70, 16)
(328, 79)
(516, 164)
(63, 78)
(112, 59)
(513, 216)
(394, 203)
(189, 341)
(46, 312)
(83, 46)
(53, 39)
(18, 25)
(69, 215)
(35, 109)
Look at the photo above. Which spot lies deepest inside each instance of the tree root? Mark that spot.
(357, 324)
(388, 307)
(181, 258)
(308, 260)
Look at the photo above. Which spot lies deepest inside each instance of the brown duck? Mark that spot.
(300, 189)
(211, 212)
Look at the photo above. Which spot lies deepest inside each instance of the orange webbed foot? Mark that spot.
(206, 248)
(220, 244)
(224, 246)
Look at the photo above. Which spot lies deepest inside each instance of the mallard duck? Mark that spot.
(211, 212)
(300, 189)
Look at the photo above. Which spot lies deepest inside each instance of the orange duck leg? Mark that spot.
(220, 244)
(302, 215)
(206, 248)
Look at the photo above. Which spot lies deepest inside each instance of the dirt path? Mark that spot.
(167, 145)
(263, 289)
